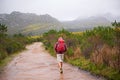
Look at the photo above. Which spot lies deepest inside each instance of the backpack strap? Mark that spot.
(56, 46)
(65, 47)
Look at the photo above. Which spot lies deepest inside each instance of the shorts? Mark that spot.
(60, 57)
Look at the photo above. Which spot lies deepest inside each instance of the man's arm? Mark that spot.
(55, 47)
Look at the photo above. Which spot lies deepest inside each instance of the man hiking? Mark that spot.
(60, 48)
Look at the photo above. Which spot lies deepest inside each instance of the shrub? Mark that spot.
(3, 54)
(12, 47)
(70, 52)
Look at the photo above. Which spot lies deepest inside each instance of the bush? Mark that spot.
(14, 47)
(70, 52)
(12, 44)
(3, 54)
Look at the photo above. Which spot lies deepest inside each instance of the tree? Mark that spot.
(3, 28)
(116, 24)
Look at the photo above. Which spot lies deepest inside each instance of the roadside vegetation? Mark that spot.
(12, 44)
(96, 51)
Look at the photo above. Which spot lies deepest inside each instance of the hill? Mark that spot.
(88, 23)
(17, 21)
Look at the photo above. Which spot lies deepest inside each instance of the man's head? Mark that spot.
(60, 39)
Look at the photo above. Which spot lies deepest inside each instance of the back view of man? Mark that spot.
(60, 48)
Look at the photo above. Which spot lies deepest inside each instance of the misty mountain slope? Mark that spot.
(30, 23)
(88, 23)
(17, 21)
(93, 19)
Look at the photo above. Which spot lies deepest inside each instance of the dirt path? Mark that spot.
(36, 64)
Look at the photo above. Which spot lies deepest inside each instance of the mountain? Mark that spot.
(17, 21)
(111, 17)
(88, 23)
(32, 24)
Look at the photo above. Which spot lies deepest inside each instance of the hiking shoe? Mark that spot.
(61, 71)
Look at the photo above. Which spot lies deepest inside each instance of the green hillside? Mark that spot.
(37, 29)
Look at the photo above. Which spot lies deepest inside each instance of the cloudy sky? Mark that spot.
(63, 9)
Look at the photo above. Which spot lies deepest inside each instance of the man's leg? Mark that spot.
(60, 67)
(60, 64)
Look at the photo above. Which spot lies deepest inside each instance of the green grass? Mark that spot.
(5, 61)
(101, 70)
(79, 33)
(38, 27)
(33, 27)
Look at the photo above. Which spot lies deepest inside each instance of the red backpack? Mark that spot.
(60, 47)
